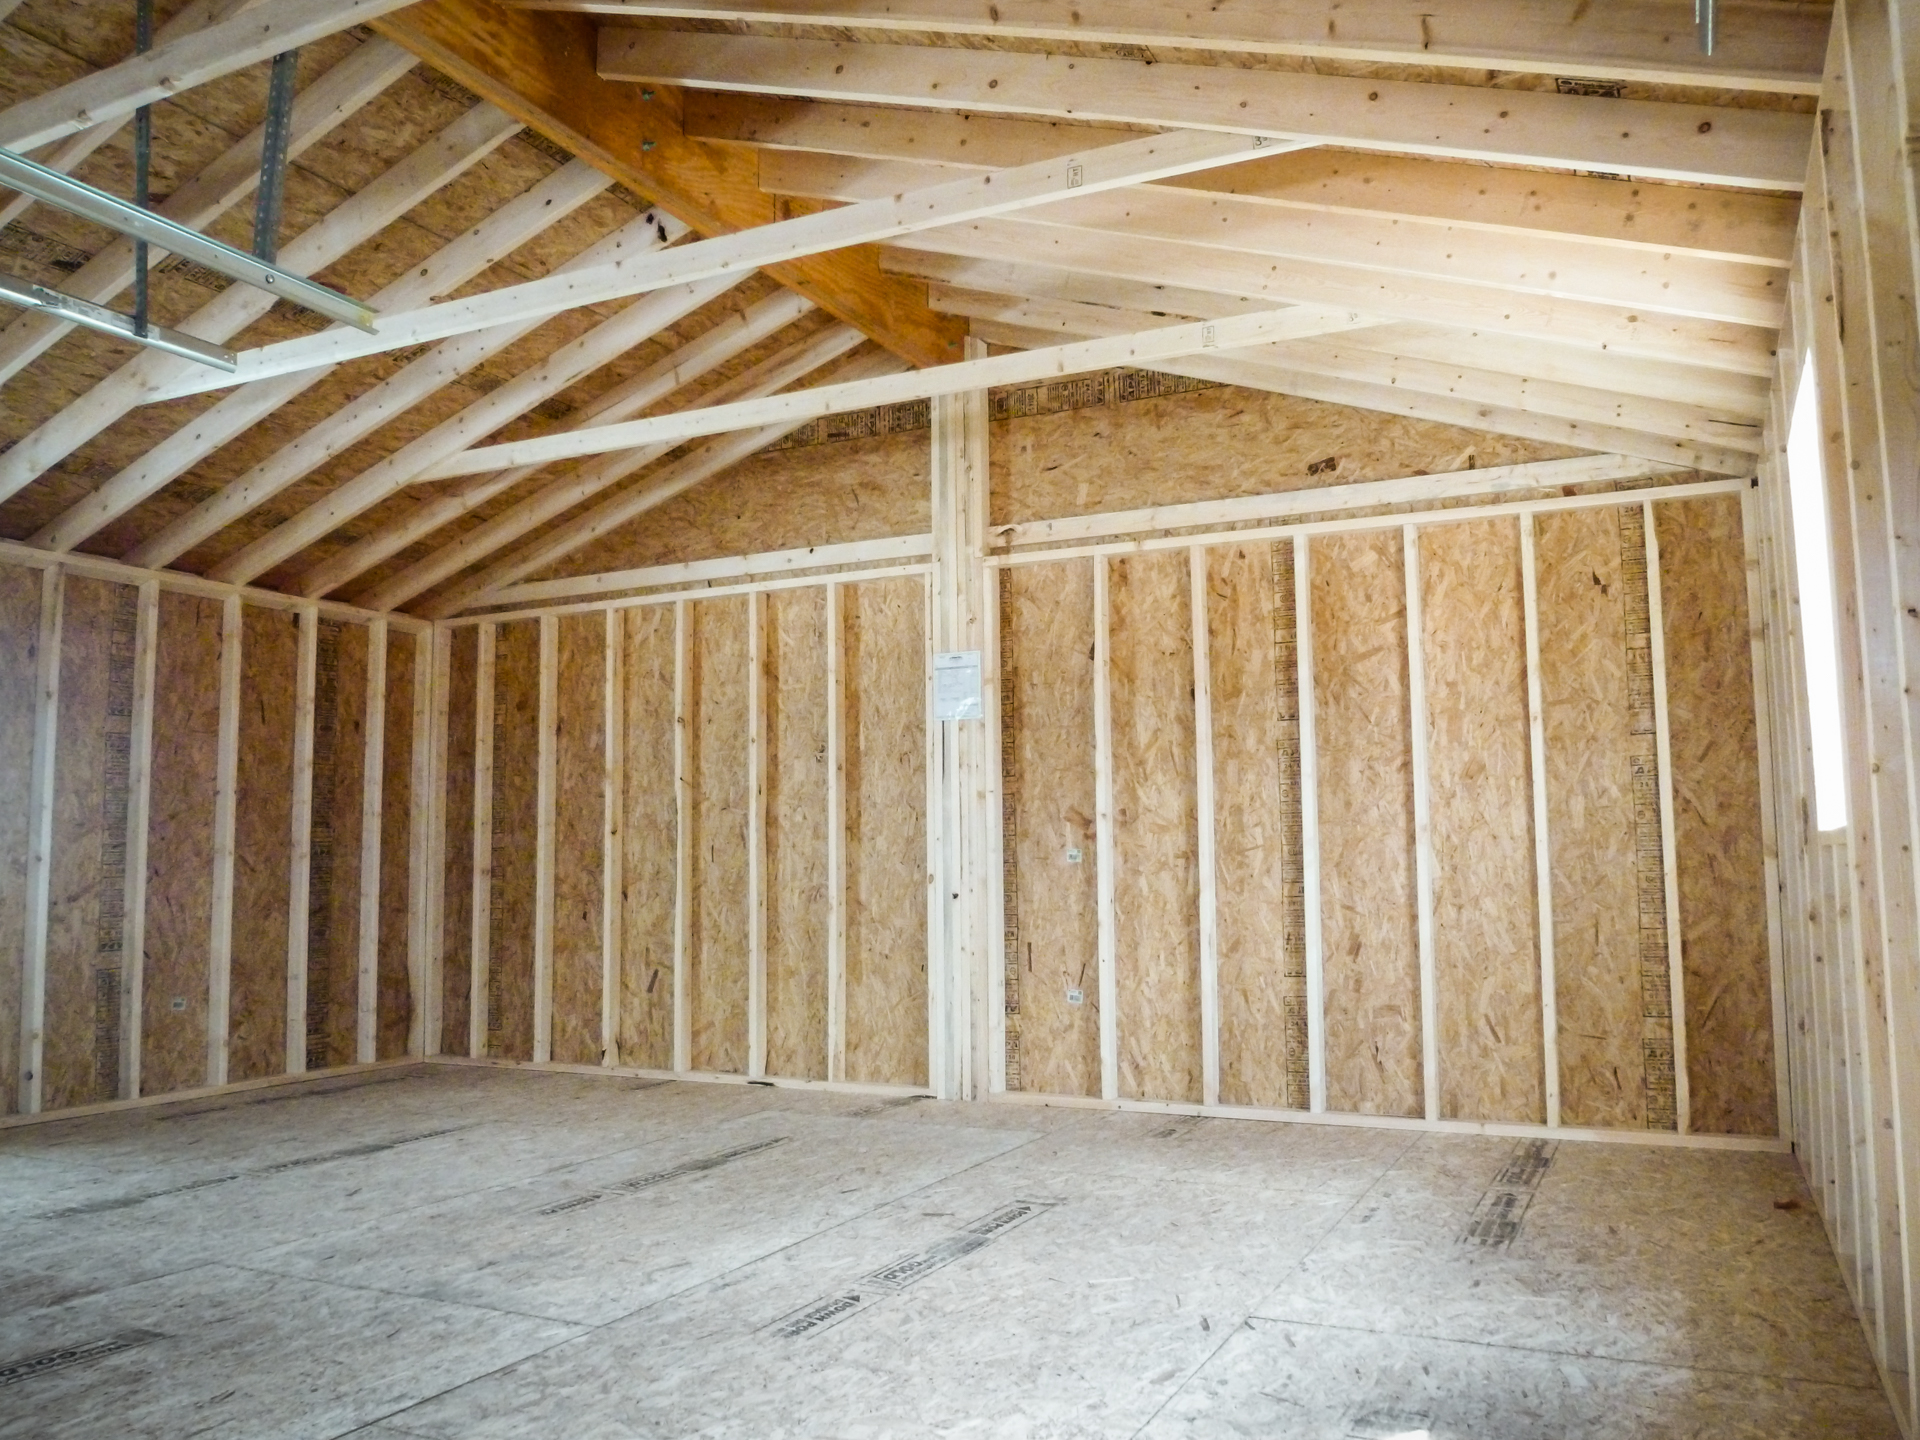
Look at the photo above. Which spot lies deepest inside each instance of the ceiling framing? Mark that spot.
(583, 213)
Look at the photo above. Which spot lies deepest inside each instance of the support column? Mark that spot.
(960, 934)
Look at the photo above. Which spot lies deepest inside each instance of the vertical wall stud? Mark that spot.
(1422, 827)
(480, 1000)
(1310, 829)
(683, 832)
(995, 998)
(300, 880)
(543, 840)
(372, 800)
(434, 1039)
(46, 734)
(146, 649)
(940, 863)
(1542, 856)
(612, 858)
(1103, 833)
(1676, 970)
(423, 985)
(225, 806)
(836, 846)
(756, 834)
(1204, 826)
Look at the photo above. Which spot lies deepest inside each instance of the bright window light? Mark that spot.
(1813, 556)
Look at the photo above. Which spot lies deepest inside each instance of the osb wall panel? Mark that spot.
(456, 915)
(180, 801)
(1583, 686)
(1156, 903)
(796, 811)
(1258, 925)
(717, 942)
(86, 888)
(394, 979)
(886, 788)
(516, 784)
(19, 645)
(1716, 807)
(579, 836)
(1363, 739)
(1215, 444)
(1046, 626)
(1485, 926)
(649, 835)
(262, 845)
(339, 786)
(849, 490)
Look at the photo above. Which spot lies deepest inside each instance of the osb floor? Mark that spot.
(463, 1252)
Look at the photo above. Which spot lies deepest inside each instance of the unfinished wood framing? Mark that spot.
(1419, 778)
(373, 776)
(481, 1008)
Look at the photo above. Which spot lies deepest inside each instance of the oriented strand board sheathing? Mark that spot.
(796, 810)
(1046, 621)
(1716, 807)
(186, 731)
(1486, 930)
(1363, 732)
(1583, 684)
(1650, 894)
(333, 892)
(717, 936)
(886, 787)
(456, 919)
(579, 838)
(1156, 891)
(394, 984)
(19, 644)
(516, 775)
(1256, 786)
(1215, 444)
(87, 884)
(263, 844)
(649, 832)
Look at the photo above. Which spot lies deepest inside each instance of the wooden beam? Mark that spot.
(546, 803)
(1542, 850)
(1759, 47)
(730, 256)
(540, 68)
(1104, 853)
(479, 1016)
(300, 847)
(40, 797)
(226, 794)
(682, 835)
(1745, 349)
(756, 836)
(356, 219)
(613, 831)
(436, 889)
(373, 776)
(836, 841)
(1669, 857)
(1204, 827)
(146, 650)
(451, 267)
(1700, 144)
(1422, 826)
(423, 948)
(258, 33)
(1736, 225)
(1310, 828)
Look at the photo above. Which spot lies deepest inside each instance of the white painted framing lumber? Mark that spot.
(732, 567)
(423, 981)
(1542, 850)
(40, 797)
(543, 845)
(354, 81)
(146, 650)
(756, 836)
(300, 848)
(1205, 829)
(1422, 824)
(1310, 827)
(699, 592)
(836, 840)
(682, 836)
(1103, 836)
(1635, 40)
(372, 802)
(258, 33)
(737, 254)
(361, 215)
(455, 263)
(226, 788)
(481, 937)
(1669, 861)
(613, 829)
(1699, 144)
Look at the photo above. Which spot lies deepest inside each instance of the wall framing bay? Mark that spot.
(19, 641)
(339, 781)
(579, 839)
(262, 845)
(649, 824)
(796, 833)
(393, 970)
(717, 962)
(456, 892)
(512, 885)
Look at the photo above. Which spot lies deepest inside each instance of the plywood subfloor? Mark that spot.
(444, 1253)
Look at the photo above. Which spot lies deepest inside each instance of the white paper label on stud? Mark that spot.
(1075, 997)
(956, 685)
